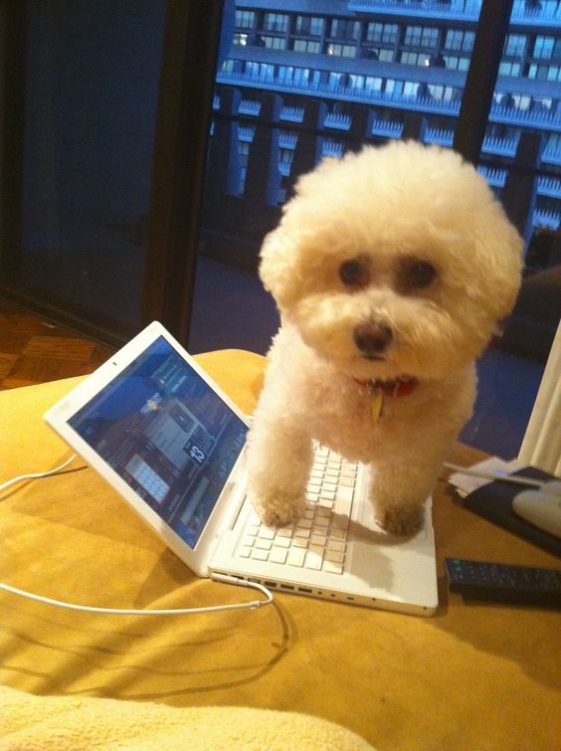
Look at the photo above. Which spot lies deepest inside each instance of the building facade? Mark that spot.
(345, 71)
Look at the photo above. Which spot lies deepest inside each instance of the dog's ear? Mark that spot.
(278, 254)
(498, 252)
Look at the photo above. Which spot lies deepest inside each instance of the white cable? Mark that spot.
(515, 479)
(37, 475)
(125, 611)
(254, 604)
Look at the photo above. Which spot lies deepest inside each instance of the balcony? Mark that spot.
(523, 13)
(531, 118)
(452, 10)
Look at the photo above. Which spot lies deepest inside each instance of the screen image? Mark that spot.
(167, 434)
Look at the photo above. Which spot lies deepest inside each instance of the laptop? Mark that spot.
(171, 443)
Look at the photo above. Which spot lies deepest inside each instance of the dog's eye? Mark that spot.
(416, 274)
(355, 273)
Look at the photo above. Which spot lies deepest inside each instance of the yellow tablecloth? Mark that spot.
(473, 677)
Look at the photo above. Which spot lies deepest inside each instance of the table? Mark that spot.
(474, 676)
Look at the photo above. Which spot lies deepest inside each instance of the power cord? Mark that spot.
(37, 475)
(253, 605)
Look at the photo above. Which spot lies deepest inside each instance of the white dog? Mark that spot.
(390, 269)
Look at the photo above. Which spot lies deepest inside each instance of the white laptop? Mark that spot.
(171, 443)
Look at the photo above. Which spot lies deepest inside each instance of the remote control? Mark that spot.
(502, 583)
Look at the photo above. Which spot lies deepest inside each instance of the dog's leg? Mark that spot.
(398, 493)
(399, 488)
(279, 458)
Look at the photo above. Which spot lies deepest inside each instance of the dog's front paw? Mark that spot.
(400, 520)
(279, 511)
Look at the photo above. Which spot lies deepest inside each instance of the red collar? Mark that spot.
(402, 386)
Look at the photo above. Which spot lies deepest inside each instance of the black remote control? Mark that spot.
(502, 583)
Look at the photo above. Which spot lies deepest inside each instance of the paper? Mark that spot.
(466, 484)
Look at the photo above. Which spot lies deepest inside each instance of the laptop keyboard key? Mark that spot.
(296, 557)
(318, 540)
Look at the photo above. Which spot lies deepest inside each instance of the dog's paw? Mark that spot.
(279, 511)
(400, 520)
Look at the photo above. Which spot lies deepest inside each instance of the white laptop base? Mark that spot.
(165, 436)
(337, 551)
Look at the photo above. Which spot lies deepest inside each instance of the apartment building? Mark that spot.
(394, 62)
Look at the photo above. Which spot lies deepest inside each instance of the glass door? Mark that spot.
(106, 108)
(298, 81)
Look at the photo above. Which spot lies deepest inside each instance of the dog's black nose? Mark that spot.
(372, 338)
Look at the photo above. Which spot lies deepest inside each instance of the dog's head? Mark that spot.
(397, 260)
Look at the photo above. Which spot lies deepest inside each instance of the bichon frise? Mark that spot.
(390, 269)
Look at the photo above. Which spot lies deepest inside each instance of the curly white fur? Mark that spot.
(387, 210)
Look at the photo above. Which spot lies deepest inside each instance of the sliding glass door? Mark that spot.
(95, 94)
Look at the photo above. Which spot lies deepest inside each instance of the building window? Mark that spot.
(311, 25)
(260, 70)
(543, 48)
(421, 36)
(345, 29)
(245, 19)
(515, 45)
(544, 72)
(273, 43)
(415, 58)
(509, 69)
(276, 22)
(410, 88)
(386, 56)
(459, 40)
(341, 50)
(378, 32)
(306, 45)
(456, 63)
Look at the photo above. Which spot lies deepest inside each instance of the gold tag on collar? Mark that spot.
(376, 403)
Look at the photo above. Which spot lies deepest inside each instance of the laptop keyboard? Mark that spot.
(317, 541)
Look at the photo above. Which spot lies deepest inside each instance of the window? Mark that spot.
(345, 29)
(244, 19)
(421, 36)
(414, 58)
(276, 22)
(543, 47)
(378, 32)
(274, 43)
(303, 45)
(509, 69)
(515, 45)
(360, 47)
(385, 56)
(341, 50)
(456, 63)
(459, 40)
(311, 25)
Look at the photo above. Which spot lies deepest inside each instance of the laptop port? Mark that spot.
(305, 589)
(287, 586)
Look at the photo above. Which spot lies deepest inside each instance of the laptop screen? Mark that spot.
(168, 435)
